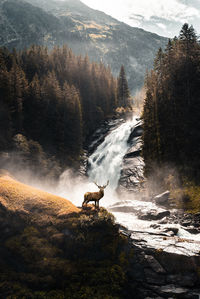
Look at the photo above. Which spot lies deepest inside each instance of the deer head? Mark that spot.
(102, 187)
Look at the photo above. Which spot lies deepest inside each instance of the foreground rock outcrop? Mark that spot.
(51, 249)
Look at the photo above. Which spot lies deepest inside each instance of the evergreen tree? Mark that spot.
(53, 101)
(123, 92)
(171, 109)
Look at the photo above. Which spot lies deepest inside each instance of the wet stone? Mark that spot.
(186, 223)
(154, 264)
(188, 280)
(162, 198)
(154, 278)
(174, 230)
(154, 214)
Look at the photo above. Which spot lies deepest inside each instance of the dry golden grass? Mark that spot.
(18, 197)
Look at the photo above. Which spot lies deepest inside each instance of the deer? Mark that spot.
(94, 196)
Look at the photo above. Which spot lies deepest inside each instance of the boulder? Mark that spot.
(162, 198)
(154, 214)
(174, 230)
(186, 223)
(154, 264)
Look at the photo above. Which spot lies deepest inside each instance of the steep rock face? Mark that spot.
(85, 30)
(132, 170)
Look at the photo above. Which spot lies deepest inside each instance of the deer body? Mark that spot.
(94, 196)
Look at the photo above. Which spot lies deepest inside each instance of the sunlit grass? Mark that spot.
(16, 196)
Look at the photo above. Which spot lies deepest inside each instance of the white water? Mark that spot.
(106, 162)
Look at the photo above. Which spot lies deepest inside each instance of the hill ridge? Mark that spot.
(83, 29)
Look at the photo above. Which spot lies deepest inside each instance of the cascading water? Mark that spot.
(106, 162)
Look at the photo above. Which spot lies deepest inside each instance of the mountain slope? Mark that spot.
(20, 198)
(85, 30)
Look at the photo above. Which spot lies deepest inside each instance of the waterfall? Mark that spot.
(106, 162)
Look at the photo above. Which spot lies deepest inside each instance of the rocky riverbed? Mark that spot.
(167, 263)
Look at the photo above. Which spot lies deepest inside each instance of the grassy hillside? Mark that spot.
(21, 198)
(51, 249)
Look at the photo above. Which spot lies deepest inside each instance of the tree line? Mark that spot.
(52, 101)
(172, 107)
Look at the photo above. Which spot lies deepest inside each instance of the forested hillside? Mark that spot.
(50, 103)
(172, 107)
(84, 30)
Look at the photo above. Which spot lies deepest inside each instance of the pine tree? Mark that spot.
(123, 92)
(171, 110)
(188, 34)
(53, 98)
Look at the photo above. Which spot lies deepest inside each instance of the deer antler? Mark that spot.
(106, 184)
(96, 184)
(101, 186)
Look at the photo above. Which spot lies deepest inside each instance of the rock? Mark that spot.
(197, 224)
(154, 278)
(172, 229)
(162, 198)
(186, 280)
(154, 214)
(163, 221)
(172, 290)
(192, 230)
(186, 223)
(155, 226)
(136, 132)
(154, 264)
(133, 154)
